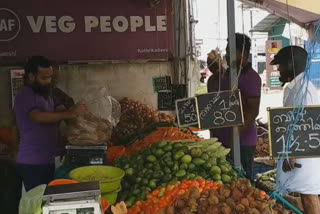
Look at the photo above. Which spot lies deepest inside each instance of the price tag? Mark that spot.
(220, 109)
(187, 112)
(305, 138)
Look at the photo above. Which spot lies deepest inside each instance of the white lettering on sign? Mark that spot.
(35, 25)
(51, 24)
(161, 23)
(7, 25)
(120, 24)
(65, 24)
(148, 26)
(136, 21)
(105, 25)
(90, 22)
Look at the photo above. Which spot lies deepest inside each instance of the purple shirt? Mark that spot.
(250, 87)
(37, 140)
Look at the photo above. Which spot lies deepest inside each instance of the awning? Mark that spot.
(270, 21)
(301, 12)
(266, 24)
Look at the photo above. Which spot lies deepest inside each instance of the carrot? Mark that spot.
(160, 134)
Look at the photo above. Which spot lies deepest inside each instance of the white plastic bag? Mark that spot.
(95, 128)
(101, 105)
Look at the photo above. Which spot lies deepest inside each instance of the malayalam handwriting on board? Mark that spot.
(186, 112)
(165, 101)
(161, 83)
(302, 128)
(220, 109)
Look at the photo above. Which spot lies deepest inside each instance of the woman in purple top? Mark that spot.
(250, 87)
(37, 123)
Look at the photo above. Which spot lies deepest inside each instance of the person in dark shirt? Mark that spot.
(249, 84)
(62, 102)
(60, 98)
(37, 120)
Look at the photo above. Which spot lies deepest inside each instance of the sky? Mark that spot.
(212, 26)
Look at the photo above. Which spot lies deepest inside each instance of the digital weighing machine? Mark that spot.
(80, 198)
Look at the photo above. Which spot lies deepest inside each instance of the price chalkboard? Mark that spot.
(305, 138)
(219, 109)
(186, 110)
(167, 99)
(161, 83)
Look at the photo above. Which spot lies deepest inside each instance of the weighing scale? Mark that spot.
(78, 156)
(80, 198)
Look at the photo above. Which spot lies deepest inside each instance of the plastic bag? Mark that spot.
(31, 201)
(89, 130)
(95, 128)
(101, 105)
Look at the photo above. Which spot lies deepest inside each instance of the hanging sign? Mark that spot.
(161, 83)
(167, 99)
(220, 109)
(305, 138)
(96, 31)
(186, 110)
(272, 48)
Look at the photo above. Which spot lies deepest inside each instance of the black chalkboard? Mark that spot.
(305, 138)
(220, 109)
(186, 110)
(167, 99)
(161, 83)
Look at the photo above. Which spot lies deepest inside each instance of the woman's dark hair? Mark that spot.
(34, 63)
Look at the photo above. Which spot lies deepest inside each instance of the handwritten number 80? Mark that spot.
(221, 118)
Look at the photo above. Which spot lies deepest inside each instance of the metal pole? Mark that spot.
(233, 76)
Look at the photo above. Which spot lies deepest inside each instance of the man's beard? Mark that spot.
(43, 90)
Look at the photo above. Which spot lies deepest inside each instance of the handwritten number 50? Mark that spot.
(314, 138)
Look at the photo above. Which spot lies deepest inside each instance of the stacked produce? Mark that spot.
(165, 196)
(267, 180)
(167, 162)
(262, 149)
(135, 116)
(160, 134)
(238, 198)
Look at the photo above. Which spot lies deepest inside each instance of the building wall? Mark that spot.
(132, 80)
(276, 33)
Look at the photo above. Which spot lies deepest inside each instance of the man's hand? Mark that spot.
(288, 166)
(78, 110)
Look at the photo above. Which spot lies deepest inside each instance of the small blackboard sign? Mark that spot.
(167, 99)
(161, 83)
(305, 137)
(186, 110)
(220, 109)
